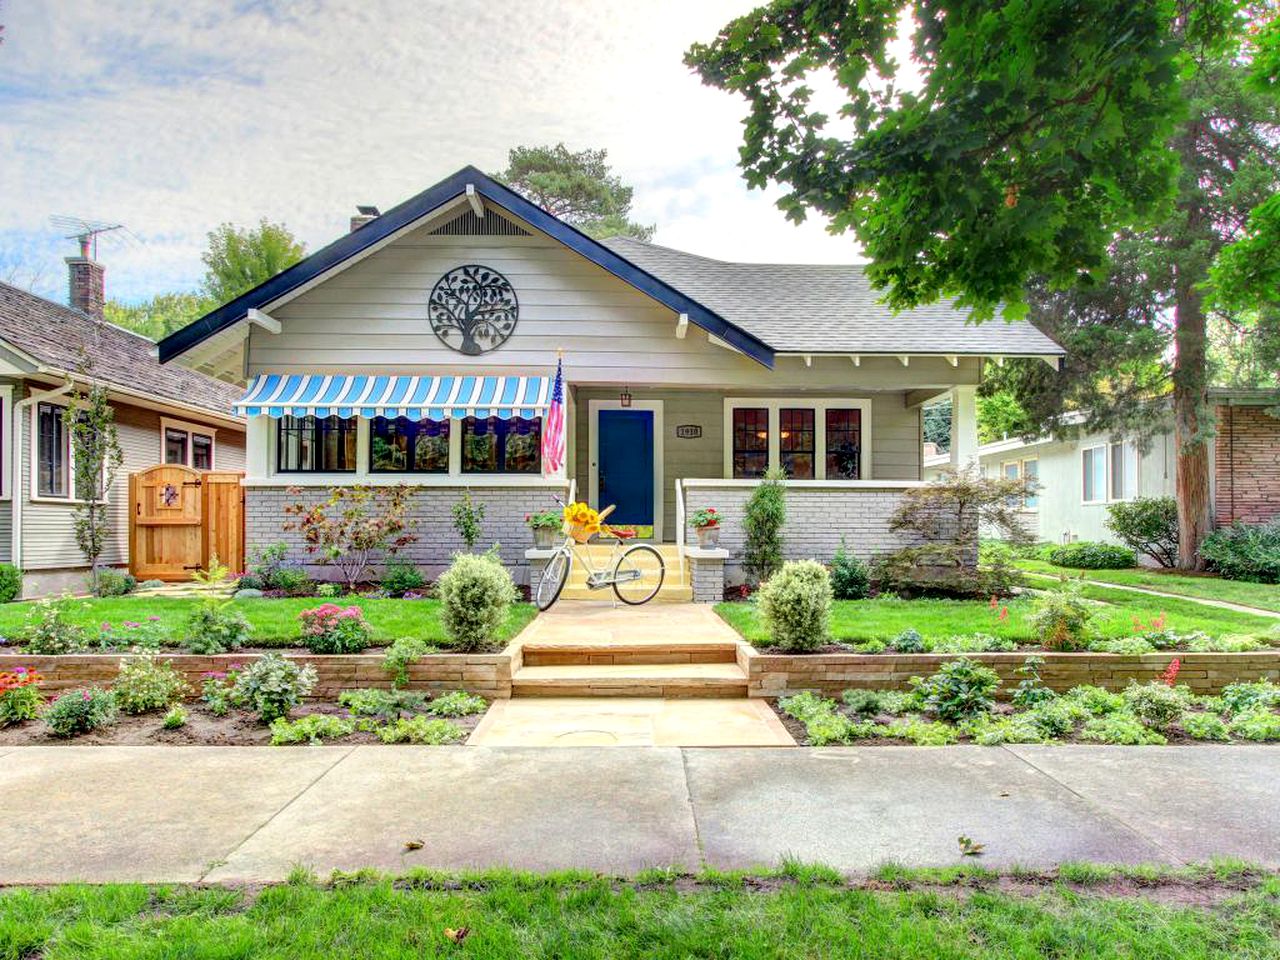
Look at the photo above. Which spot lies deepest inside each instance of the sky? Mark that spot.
(173, 117)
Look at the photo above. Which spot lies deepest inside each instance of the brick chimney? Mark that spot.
(87, 282)
(363, 215)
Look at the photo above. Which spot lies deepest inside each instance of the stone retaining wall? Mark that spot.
(488, 674)
(775, 675)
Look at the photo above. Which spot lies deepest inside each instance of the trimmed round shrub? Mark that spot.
(1147, 525)
(1156, 704)
(1087, 555)
(475, 594)
(10, 582)
(850, 579)
(1061, 619)
(271, 686)
(908, 641)
(143, 685)
(1245, 552)
(80, 711)
(795, 604)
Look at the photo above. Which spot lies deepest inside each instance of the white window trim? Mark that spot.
(659, 459)
(190, 429)
(272, 477)
(34, 429)
(6, 443)
(819, 406)
(1023, 474)
(1107, 477)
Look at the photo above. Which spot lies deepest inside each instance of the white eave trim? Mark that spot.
(473, 198)
(260, 318)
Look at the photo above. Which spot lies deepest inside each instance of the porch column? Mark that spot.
(964, 426)
(257, 447)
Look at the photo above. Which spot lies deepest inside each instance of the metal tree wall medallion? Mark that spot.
(473, 309)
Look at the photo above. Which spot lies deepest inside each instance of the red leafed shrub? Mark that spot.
(352, 526)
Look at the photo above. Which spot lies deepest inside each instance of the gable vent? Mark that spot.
(469, 225)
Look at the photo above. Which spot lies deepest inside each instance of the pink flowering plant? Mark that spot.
(218, 688)
(80, 711)
(330, 628)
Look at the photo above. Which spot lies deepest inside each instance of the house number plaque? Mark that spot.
(689, 431)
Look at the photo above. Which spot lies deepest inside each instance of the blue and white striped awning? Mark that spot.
(437, 398)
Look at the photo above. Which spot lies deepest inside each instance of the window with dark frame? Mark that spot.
(51, 451)
(497, 445)
(844, 443)
(201, 451)
(175, 446)
(402, 445)
(315, 445)
(797, 442)
(750, 442)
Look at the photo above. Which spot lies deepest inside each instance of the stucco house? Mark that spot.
(163, 415)
(1081, 477)
(420, 348)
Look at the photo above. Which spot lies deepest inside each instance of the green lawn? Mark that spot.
(1265, 596)
(274, 622)
(853, 621)
(532, 917)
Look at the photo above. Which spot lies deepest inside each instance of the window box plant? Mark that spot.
(706, 523)
(546, 527)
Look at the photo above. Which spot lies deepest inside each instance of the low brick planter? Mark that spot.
(486, 674)
(774, 675)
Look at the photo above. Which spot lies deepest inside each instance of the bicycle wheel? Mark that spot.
(638, 574)
(553, 580)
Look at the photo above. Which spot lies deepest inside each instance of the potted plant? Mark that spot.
(545, 526)
(706, 522)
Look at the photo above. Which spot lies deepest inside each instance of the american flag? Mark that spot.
(553, 429)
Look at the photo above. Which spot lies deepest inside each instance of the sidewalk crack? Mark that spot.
(693, 811)
(267, 822)
(1094, 806)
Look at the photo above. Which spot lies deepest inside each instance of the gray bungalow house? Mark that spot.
(420, 348)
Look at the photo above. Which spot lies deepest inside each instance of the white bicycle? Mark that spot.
(635, 573)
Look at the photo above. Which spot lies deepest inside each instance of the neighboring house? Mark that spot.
(163, 415)
(420, 348)
(1080, 478)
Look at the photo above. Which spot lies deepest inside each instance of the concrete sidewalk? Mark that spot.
(252, 813)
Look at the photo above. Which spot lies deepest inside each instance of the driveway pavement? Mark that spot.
(252, 813)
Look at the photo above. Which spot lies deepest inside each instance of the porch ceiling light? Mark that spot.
(624, 399)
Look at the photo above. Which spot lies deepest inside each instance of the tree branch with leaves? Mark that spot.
(96, 458)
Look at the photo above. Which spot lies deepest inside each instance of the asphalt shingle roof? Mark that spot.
(59, 337)
(820, 308)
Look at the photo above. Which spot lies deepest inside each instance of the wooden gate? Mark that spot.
(181, 519)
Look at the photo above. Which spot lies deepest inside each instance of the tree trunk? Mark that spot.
(1191, 434)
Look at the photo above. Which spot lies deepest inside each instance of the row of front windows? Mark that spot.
(798, 442)
(400, 445)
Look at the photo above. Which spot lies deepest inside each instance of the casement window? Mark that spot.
(809, 439)
(1028, 469)
(53, 452)
(187, 444)
(750, 442)
(1110, 472)
(402, 445)
(496, 445)
(315, 445)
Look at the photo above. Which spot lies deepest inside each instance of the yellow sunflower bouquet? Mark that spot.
(581, 522)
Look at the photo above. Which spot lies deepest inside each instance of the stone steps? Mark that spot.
(666, 680)
(659, 652)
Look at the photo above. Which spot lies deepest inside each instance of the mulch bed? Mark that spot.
(236, 729)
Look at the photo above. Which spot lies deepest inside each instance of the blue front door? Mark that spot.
(625, 448)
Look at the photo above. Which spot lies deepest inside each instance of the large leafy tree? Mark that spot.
(158, 316)
(578, 187)
(239, 258)
(1043, 133)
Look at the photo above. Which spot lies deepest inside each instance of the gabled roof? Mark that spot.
(394, 220)
(819, 308)
(57, 339)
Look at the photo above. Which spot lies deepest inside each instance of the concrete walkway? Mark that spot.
(251, 814)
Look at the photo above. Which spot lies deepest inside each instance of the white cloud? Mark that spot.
(175, 117)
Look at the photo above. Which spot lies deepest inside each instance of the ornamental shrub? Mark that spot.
(330, 628)
(400, 577)
(1155, 703)
(80, 711)
(1061, 619)
(215, 627)
(795, 604)
(175, 717)
(959, 690)
(1147, 525)
(293, 582)
(20, 696)
(49, 630)
(112, 583)
(475, 594)
(762, 519)
(908, 641)
(402, 653)
(1031, 691)
(314, 728)
(1245, 552)
(10, 582)
(143, 685)
(1088, 555)
(271, 686)
(1095, 700)
(850, 579)
(424, 731)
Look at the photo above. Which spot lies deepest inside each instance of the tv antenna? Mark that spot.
(85, 231)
